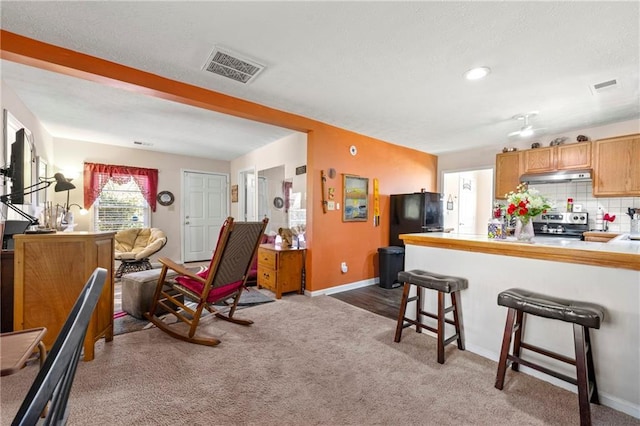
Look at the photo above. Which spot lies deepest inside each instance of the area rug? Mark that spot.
(125, 323)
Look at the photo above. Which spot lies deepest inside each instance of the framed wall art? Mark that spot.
(356, 199)
(234, 193)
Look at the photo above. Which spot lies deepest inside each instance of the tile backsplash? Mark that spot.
(581, 192)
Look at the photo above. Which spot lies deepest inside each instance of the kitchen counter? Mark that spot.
(603, 273)
(600, 236)
(617, 253)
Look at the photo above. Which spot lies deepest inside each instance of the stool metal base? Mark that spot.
(404, 322)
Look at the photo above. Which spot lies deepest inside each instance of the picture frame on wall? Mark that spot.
(234, 193)
(355, 191)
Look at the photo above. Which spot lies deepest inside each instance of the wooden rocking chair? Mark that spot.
(223, 280)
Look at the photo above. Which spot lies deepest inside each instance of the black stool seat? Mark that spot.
(444, 283)
(583, 313)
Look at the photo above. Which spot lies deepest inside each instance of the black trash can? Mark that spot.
(391, 262)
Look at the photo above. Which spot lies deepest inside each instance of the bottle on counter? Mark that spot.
(497, 227)
(600, 219)
(569, 205)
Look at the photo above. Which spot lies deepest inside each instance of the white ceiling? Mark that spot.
(389, 70)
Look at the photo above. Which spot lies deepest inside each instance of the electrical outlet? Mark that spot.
(343, 267)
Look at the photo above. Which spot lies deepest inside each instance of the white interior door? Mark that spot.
(468, 201)
(206, 206)
(263, 193)
(248, 206)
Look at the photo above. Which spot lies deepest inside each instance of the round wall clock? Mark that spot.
(278, 202)
(165, 198)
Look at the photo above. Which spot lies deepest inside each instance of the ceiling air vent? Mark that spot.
(232, 65)
(604, 86)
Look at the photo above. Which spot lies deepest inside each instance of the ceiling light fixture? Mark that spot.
(526, 131)
(477, 73)
(527, 128)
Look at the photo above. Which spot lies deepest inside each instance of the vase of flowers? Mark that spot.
(524, 204)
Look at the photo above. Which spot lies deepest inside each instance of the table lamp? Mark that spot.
(62, 184)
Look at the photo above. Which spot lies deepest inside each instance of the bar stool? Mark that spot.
(583, 316)
(442, 284)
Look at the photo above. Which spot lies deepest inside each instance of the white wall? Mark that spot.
(70, 155)
(290, 151)
(42, 139)
(277, 216)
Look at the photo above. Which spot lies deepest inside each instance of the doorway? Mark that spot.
(468, 198)
(247, 195)
(205, 208)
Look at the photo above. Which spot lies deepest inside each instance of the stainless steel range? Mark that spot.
(558, 224)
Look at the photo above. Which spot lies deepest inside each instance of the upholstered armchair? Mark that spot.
(133, 247)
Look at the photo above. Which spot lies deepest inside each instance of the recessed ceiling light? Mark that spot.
(477, 73)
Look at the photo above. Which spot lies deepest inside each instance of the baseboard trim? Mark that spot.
(343, 287)
(605, 399)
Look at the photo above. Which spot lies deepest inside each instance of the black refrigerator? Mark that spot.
(417, 212)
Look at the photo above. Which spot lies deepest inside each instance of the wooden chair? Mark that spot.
(223, 281)
(55, 378)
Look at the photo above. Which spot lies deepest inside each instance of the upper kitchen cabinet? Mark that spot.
(508, 171)
(616, 167)
(561, 157)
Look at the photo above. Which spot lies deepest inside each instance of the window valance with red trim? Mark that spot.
(97, 175)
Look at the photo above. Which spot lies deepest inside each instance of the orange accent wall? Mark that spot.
(331, 241)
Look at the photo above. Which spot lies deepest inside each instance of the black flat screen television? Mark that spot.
(20, 166)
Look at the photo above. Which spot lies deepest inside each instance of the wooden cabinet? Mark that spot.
(280, 269)
(539, 160)
(50, 271)
(6, 290)
(561, 157)
(616, 167)
(573, 156)
(508, 171)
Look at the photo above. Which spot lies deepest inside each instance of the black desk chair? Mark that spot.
(54, 380)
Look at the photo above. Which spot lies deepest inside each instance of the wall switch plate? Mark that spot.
(331, 205)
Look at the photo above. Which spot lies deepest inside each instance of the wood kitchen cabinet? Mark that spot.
(616, 167)
(50, 271)
(508, 171)
(280, 269)
(561, 157)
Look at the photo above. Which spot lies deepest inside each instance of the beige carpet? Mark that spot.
(306, 361)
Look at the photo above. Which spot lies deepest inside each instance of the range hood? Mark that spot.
(557, 177)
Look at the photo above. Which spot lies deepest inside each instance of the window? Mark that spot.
(121, 206)
(123, 197)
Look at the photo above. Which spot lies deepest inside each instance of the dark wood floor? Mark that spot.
(379, 300)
